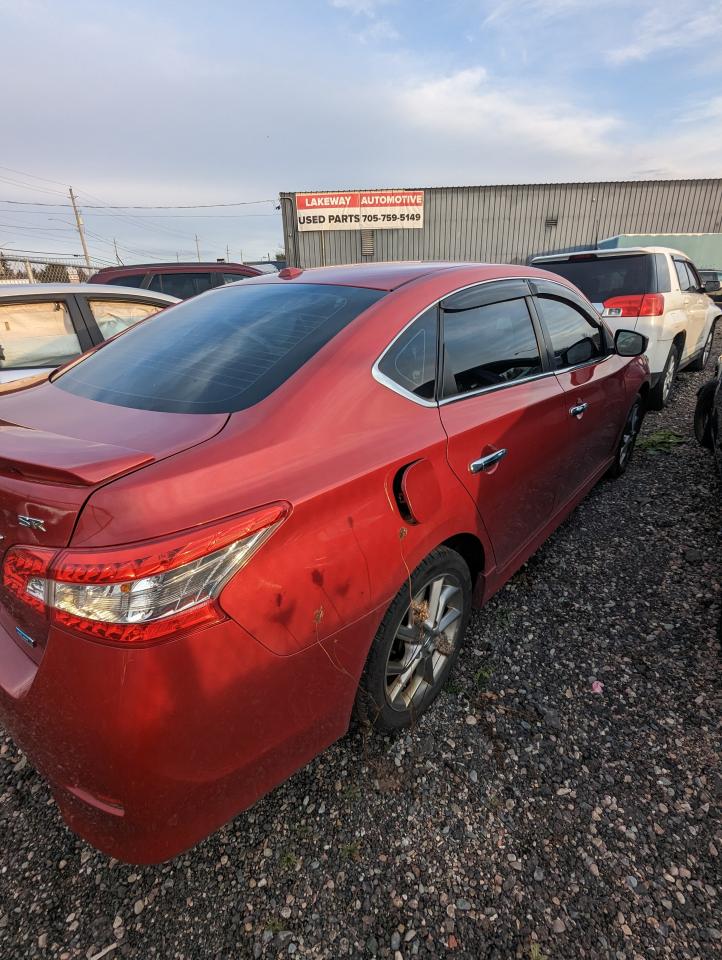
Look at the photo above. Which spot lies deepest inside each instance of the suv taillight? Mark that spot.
(142, 592)
(635, 305)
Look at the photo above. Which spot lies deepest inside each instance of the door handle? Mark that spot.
(484, 463)
(578, 410)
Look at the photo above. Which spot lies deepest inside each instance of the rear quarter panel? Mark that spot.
(330, 441)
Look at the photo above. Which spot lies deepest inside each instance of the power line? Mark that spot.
(32, 176)
(149, 219)
(139, 206)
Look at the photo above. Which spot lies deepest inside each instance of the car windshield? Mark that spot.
(605, 277)
(219, 353)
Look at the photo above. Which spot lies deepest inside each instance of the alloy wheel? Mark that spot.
(629, 437)
(424, 641)
(669, 375)
(707, 348)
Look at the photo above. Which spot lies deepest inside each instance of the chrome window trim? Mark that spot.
(401, 391)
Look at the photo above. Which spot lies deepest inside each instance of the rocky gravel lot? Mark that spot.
(561, 800)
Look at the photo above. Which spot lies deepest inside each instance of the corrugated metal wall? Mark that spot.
(508, 224)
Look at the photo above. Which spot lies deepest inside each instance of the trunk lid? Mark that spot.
(55, 450)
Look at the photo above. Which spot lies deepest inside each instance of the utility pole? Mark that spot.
(117, 255)
(198, 249)
(81, 231)
(228, 255)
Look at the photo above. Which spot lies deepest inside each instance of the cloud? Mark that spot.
(379, 28)
(670, 26)
(368, 8)
(467, 106)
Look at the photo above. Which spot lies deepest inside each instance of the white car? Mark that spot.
(43, 325)
(657, 292)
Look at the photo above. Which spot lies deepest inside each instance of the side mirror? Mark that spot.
(712, 286)
(629, 343)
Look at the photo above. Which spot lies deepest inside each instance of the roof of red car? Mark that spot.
(393, 274)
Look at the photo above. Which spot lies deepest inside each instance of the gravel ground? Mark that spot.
(526, 816)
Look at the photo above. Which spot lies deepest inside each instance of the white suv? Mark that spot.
(654, 290)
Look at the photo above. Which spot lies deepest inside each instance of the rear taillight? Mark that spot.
(635, 305)
(142, 592)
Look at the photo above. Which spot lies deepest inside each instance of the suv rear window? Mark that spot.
(601, 278)
(219, 353)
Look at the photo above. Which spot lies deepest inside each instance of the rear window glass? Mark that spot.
(606, 277)
(219, 353)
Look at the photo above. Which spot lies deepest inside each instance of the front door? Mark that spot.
(592, 378)
(503, 413)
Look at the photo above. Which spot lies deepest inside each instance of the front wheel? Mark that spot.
(417, 643)
(628, 439)
(660, 396)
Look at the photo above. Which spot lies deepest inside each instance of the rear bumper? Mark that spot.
(149, 750)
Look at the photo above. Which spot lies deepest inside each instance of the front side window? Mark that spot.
(36, 335)
(218, 354)
(694, 277)
(411, 360)
(181, 285)
(112, 316)
(574, 336)
(684, 278)
(488, 346)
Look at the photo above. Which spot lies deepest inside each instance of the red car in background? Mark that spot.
(225, 527)
(181, 280)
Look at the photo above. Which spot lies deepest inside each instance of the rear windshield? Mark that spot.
(219, 353)
(606, 277)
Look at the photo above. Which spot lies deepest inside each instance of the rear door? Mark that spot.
(592, 377)
(503, 412)
(39, 333)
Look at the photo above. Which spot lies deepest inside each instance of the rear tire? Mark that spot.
(625, 449)
(661, 394)
(701, 361)
(417, 643)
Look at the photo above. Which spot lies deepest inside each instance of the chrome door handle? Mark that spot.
(484, 463)
(578, 410)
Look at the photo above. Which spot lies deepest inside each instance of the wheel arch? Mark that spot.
(471, 550)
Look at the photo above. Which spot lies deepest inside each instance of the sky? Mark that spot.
(176, 104)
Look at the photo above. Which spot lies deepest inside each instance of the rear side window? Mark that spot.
(221, 353)
(488, 346)
(36, 335)
(574, 337)
(234, 277)
(411, 360)
(135, 280)
(181, 285)
(602, 278)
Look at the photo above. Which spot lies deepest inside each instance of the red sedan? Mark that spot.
(226, 527)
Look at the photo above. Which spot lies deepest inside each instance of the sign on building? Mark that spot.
(356, 210)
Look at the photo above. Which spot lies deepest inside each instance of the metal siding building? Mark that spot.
(508, 224)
